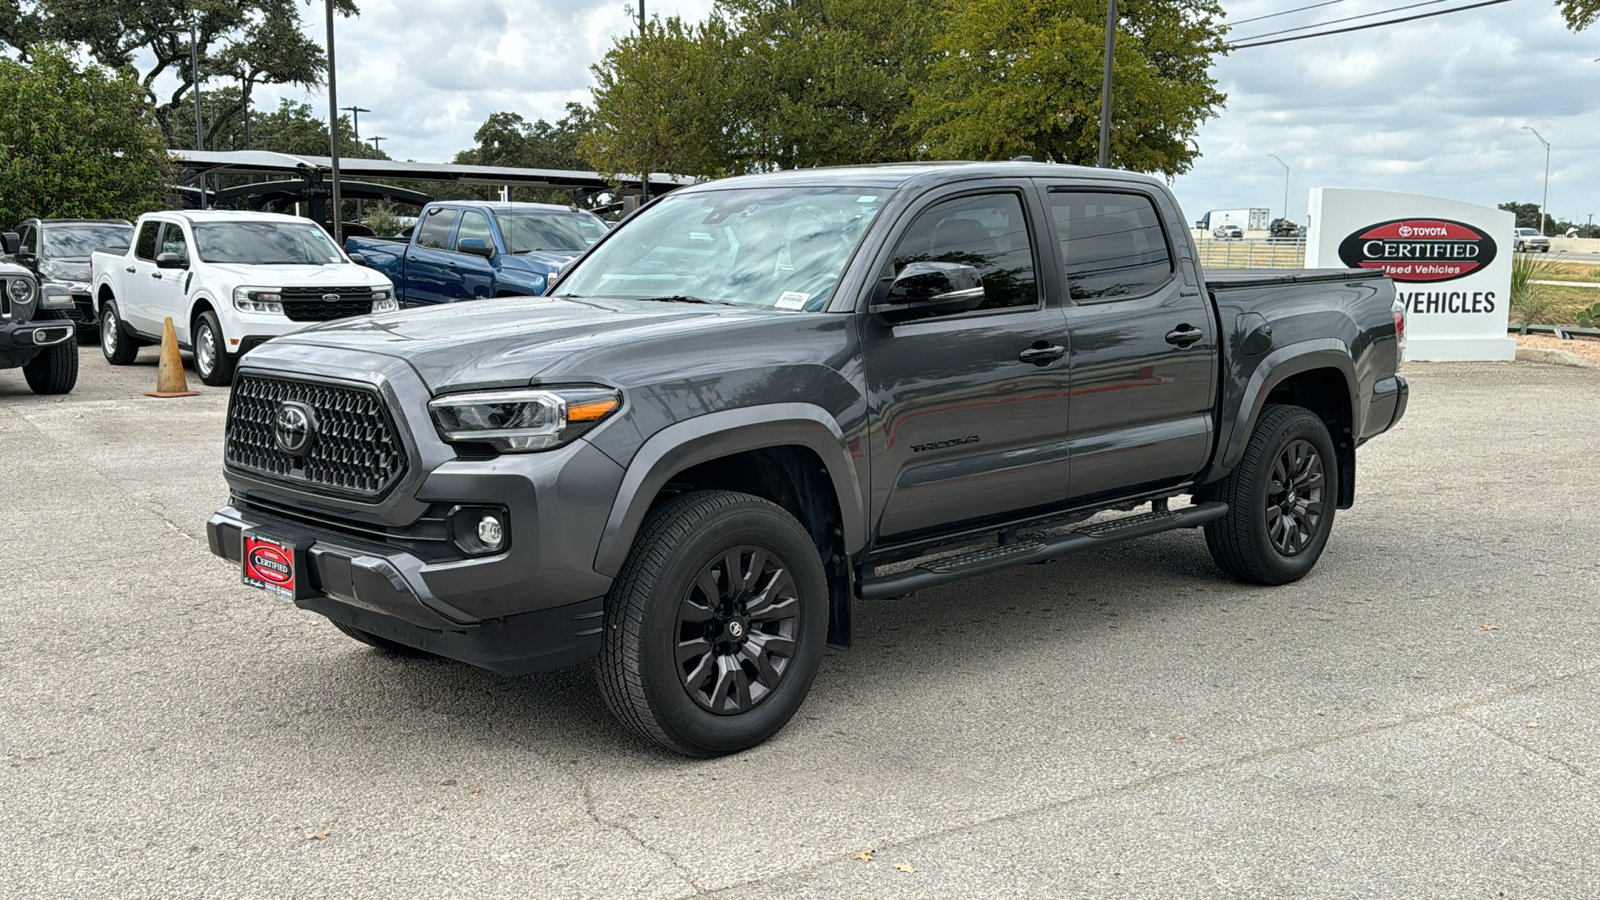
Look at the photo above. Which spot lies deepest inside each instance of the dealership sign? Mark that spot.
(1443, 255)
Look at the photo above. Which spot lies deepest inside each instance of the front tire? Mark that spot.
(54, 370)
(212, 362)
(120, 347)
(714, 628)
(1281, 500)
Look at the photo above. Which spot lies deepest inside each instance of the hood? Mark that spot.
(499, 343)
(329, 275)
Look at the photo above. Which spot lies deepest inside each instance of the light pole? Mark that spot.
(1546, 198)
(1105, 84)
(355, 118)
(333, 130)
(1285, 185)
(375, 141)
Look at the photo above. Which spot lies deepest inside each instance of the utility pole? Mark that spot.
(333, 130)
(1546, 199)
(644, 177)
(355, 119)
(1105, 84)
(375, 141)
(1285, 185)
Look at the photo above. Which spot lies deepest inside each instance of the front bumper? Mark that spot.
(35, 335)
(382, 590)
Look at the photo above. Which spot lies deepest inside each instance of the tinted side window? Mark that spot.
(173, 241)
(987, 232)
(474, 225)
(435, 229)
(1112, 244)
(145, 247)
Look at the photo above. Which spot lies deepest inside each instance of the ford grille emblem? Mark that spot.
(330, 298)
(293, 428)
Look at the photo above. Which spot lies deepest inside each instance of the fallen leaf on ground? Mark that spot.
(319, 835)
(864, 856)
(904, 867)
(1489, 626)
(1179, 737)
(474, 790)
(1532, 725)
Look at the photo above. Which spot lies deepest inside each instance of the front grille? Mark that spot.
(306, 304)
(355, 450)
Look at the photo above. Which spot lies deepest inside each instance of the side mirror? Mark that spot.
(171, 261)
(10, 242)
(357, 258)
(924, 289)
(476, 247)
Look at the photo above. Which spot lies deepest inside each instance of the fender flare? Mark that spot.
(1301, 356)
(703, 438)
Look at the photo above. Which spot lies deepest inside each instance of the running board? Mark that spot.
(993, 559)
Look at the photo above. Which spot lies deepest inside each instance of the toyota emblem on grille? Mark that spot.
(330, 298)
(293, 428)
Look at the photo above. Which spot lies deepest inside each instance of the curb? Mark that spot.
(1553, 358)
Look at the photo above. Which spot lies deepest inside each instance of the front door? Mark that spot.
(969, 410)
(473, 276)
(139, 280)
(1144, 345)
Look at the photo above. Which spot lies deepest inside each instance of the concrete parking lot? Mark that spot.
(1418, 718)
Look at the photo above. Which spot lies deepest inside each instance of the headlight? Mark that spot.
(258, 299)
(383, 301)
(20, 290)
(518, 421)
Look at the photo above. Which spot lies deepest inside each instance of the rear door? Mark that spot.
(970, 410)
(429, 260)
(1143, 341)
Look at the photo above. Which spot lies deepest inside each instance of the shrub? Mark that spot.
(1531, 302)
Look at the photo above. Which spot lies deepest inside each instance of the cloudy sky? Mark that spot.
(1435, 106)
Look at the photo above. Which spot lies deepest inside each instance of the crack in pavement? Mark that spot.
(1570, 767)
(1453, 711)
(591, 807)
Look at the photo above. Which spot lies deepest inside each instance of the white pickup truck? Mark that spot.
(230, 281)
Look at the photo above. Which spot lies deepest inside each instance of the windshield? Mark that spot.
(78, 241)
(773, 247)
(265, 244)
(561, 232)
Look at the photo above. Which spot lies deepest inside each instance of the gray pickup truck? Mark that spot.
(760, 400)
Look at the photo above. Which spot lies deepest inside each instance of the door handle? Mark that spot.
(156, 275)
(130, 270)
(1184, 335)
(1042, 353)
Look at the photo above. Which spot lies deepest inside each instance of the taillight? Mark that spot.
(1399, 310)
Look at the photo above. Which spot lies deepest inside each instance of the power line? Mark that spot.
(1381, 12)
(1286, 12)
(1427, 15)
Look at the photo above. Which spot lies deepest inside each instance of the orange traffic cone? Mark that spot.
(169, 376)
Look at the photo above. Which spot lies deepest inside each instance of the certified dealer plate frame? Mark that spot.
(272, 565)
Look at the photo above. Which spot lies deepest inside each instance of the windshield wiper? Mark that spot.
(684, 298)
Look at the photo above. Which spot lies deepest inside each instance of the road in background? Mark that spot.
(1420, 717)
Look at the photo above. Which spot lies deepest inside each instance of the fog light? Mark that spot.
(491, 532)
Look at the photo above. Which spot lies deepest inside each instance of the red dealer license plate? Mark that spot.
(269, 565)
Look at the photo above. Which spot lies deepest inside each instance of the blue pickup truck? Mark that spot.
(468, 250)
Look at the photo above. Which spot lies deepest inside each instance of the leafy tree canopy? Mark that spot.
(242, 43)
(1580, 14)
(75, 140)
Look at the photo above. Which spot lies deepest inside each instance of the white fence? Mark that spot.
(1252, 254)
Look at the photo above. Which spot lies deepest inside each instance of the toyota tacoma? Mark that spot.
(761, 400)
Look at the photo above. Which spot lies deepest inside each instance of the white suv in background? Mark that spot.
(1529, 240)
(230, 281)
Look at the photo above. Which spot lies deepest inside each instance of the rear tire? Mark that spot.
(1281, 500)
(54, 370)
(714, 628)
(381, 644)
(120, 347)
(212, 362)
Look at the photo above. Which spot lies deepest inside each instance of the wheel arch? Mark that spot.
(1318, 375)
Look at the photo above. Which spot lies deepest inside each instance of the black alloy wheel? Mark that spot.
(1296, 493)
(736, 630)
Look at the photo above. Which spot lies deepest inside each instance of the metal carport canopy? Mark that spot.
(265, 162)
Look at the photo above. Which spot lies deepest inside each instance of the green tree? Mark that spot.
(508, 139)
(1527, 213)
(242, 44)
(292, 128)
(1580, 14)
(75, 140)
(1024, 76)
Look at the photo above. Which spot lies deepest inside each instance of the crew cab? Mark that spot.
(464, 250)
(35, 333)
(759, 401)
(229, 281)
(57, 252)
(1530, 240)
